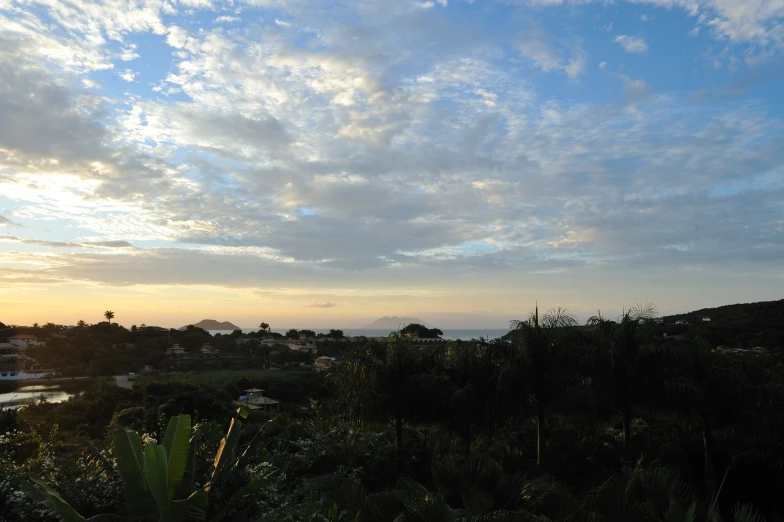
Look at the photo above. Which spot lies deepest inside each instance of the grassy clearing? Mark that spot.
(288, 386)
(221, 377)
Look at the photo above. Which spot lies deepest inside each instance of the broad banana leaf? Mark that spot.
(156, 474)
(130, 464)
(180, 510)
(37, 490)
(185, 488)
(175, 440)
(192, 509)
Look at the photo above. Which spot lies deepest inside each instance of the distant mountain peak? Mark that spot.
(212, 324)
(393, 323)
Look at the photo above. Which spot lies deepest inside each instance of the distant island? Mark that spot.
(392, 323)
(212, 324)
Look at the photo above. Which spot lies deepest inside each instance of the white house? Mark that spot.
(14, 375)
(25, 341)
(254, 399)
(324, 363)
(294, 345)
(175, 351)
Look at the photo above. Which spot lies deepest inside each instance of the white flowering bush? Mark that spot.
(85, 476)
(14, 504)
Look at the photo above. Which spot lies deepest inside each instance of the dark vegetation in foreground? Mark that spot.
(603, 422)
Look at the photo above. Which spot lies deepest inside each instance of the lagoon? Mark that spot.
(29, 394)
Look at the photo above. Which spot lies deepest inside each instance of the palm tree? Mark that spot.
(624, 363)
(109, 316)
(715, 388)
(462, 390)
(264, 326)
(539, 365)
(648, 491)
(377, 383)
(652, 491)
(472, 489)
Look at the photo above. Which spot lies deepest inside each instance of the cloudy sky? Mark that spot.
(322, 163)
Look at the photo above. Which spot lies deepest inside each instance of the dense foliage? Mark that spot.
(608, 421)
(737, 325)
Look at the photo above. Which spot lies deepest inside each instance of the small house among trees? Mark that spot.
(254, 399)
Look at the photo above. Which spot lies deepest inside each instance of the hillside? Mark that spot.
(742, 325)
(392, 323)
(764, 311)
(212, 324)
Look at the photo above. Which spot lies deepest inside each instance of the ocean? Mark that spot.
(463, 334)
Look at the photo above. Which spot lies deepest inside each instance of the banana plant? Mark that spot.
(158, 479)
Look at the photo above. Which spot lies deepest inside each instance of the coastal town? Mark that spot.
(108, 349)
(52, 351)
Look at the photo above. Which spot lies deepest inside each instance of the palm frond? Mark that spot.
(746, 513)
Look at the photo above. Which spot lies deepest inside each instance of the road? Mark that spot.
(122, 381)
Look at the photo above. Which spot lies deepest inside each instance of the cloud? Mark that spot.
(5, 222)
(176, 37)
(67, 244)
(128, 54)
(127, 75)
(384, 149)
(755, 21)
(634, 88)
(631, 44)
(227, 19)
(547, 57)
(319, 304)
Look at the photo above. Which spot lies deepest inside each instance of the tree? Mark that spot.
(109, 315)
(292, 334)
(625, 364)
(264, 326)
(463, 390)
(714, 387)
(335, 334)
(538, 367)
(81, 324)
(376, 383)
(421, 331)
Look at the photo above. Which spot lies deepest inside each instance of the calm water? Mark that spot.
(488, 333)
(28, 394)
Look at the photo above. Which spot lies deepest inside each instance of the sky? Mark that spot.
(318, 164)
